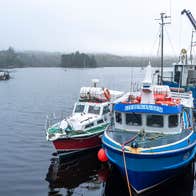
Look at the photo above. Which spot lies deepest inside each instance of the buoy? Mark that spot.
(102, 155)
(134, 145)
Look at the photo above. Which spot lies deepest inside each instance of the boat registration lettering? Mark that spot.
(144, 107)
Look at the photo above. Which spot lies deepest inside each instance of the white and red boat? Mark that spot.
(82, 130)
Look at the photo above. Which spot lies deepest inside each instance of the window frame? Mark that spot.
(169, 120)
(79, 111)
(136, 116)
(147, 124)
(120, 115)
(94, 110)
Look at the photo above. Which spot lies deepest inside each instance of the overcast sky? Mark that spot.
(122, 27)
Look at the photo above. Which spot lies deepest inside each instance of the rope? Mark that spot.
(130, 140)
(159, 43)
(125, 165)
(155, 42)
(171, 44)
(126, 173)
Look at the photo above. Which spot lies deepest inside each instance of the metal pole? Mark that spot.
(163, 16)
(162, 39)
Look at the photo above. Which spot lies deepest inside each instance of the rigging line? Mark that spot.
(159, 43)
(170, 9)
(155, 40)
(172, 46)
(180, 34)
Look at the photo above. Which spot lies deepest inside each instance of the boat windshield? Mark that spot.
(79, 108)
(173, 120)
(94, 109)
(155, 121)
(133, 119)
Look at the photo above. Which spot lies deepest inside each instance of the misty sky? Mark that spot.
(122, 27)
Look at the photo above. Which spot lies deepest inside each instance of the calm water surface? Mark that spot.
(27, 166)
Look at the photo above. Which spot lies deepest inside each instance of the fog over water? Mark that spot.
(120, 27)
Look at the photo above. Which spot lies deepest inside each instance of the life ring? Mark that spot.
(170, 103)
(159, 102)
(178, 101)
(107, 94)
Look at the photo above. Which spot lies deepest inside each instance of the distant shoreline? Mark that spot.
(10, 59)
(9, 68)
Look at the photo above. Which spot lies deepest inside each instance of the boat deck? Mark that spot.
(147, 140)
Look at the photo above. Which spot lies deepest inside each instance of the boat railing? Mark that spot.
(168, 78)
(53, 118)
(181, 95)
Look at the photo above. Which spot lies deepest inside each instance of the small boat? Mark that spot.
(82, 130)
(153, 136)
(4, 75)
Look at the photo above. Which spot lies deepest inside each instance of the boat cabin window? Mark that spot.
(79, 108)
(89, 125)
(154, 120)
(178, 71)
(93, 109)
(100, 121)
(133, 119)
(173, 120)
(118, 117)
(106, 109)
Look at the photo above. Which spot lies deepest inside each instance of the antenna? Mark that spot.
(170, 9)
(162, 18)
(95, 81)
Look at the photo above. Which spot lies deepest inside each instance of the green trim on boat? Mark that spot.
(70, 132)
(96, 129)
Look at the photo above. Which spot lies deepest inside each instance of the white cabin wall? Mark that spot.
(165, 129)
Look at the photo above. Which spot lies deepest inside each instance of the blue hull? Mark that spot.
(148, 170)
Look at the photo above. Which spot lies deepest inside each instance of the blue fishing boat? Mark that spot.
(153, 135)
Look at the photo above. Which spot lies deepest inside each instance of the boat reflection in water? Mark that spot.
(85, 175)
(79, 175)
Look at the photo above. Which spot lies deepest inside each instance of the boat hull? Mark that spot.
(146, 171)
(72, 145)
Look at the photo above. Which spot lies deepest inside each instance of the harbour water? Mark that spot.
(27, 166)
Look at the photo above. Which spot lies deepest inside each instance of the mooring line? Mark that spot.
(126, 173)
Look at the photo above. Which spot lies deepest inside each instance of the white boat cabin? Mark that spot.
(91, 108)
(170, 124)
(154, 109)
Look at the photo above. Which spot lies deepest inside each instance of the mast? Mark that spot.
(162, 39)
(163, 16)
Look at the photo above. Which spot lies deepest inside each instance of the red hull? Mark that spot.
(77, 144)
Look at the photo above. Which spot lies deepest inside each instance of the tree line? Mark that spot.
(10, 59)
(77, 59)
